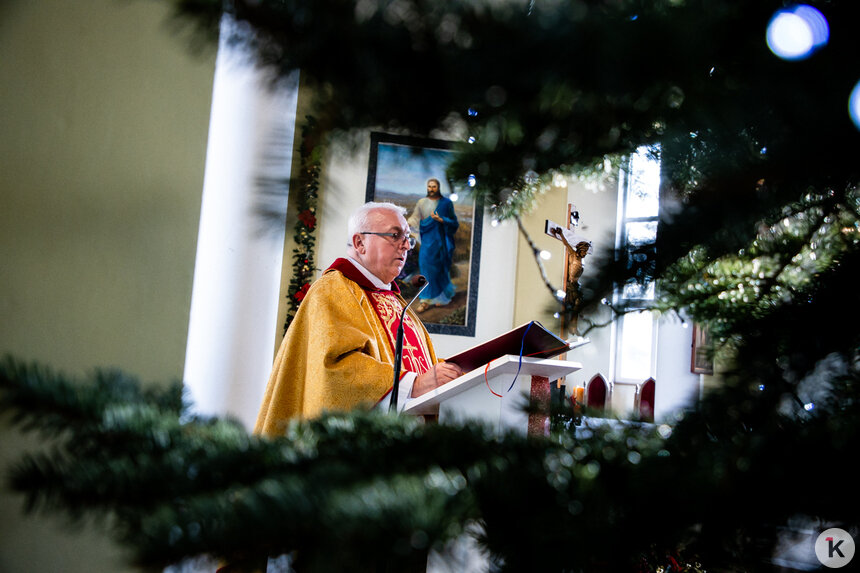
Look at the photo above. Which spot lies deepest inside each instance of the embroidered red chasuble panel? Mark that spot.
(416, 355)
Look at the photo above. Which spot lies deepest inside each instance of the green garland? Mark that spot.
(304, 230)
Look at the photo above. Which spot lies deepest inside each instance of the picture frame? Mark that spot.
(398, 171)
(701, 359)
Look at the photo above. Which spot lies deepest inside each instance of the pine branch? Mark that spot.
(400, 487)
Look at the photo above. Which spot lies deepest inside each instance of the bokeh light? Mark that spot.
(795, 32)
(854, 105)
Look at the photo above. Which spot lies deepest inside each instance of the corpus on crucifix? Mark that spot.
(577, 248)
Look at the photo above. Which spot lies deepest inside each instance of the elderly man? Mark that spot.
(339, 350)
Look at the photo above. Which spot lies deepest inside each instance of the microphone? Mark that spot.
(421, 281)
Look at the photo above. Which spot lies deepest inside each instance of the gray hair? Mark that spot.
(360, 218)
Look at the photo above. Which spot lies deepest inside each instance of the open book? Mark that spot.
(532, 338)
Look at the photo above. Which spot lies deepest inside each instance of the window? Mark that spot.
(635, 334)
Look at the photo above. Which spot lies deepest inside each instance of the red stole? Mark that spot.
(389, 306)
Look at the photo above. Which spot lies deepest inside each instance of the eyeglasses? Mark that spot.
(398, 237)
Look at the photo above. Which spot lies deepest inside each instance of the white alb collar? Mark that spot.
(370, 276)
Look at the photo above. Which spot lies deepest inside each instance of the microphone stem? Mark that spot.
(398, 353)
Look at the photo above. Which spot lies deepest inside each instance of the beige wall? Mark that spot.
(104, 116)
(534, 300)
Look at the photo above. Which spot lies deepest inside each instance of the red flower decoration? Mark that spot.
(302, 292)
(307, 218)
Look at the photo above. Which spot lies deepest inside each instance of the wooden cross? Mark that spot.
(577, 247)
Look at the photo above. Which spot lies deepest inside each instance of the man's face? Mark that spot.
(433, 189)
(381, 255)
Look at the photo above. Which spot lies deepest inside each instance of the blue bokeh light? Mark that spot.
(854, 105)
(795, 32)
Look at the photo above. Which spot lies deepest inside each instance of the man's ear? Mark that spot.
(358, 243)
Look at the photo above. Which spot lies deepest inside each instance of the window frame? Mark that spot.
(620, 299)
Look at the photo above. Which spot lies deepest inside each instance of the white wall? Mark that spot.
(234, 302)
(677, 387)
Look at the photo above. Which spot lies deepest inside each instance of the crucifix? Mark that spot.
(577, 247)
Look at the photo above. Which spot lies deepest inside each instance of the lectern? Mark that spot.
(497, 394)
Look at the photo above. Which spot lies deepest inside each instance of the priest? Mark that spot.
(338, 353)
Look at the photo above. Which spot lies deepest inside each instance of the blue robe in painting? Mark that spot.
(437, 252)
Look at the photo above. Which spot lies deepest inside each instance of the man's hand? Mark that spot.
(436, 217)
(439, 374)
